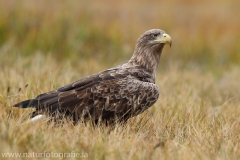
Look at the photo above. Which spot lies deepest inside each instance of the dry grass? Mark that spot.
(197, 114)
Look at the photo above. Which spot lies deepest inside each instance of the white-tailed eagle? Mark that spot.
(114, 94)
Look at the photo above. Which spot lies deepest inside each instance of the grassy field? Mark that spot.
(47, 44)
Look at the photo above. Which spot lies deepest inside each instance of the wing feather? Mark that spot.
(119, 91)
(115, 95)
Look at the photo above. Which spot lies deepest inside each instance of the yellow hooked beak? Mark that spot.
(164, 38)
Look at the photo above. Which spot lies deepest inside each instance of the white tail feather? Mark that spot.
(38, 117)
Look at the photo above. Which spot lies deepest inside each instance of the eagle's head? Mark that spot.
(149, 48)
(153, 39)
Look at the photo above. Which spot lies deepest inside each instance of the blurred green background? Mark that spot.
(205, 33)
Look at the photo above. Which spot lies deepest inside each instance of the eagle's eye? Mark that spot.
(154, 36)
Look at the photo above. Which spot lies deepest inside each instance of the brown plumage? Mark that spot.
(117, 93)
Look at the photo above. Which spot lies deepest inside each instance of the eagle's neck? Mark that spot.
(147, 57)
